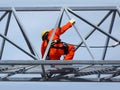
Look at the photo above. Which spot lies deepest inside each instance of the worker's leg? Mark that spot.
(70, 54)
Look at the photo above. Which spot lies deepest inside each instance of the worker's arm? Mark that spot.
(65, 27)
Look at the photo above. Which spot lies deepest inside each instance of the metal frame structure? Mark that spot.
(79, 70)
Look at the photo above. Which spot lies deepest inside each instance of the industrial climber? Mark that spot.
(57, 48)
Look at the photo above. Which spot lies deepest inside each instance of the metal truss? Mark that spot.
(48, 70)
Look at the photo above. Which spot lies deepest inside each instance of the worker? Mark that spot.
(57, 48)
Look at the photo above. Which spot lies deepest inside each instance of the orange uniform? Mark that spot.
(59, 48)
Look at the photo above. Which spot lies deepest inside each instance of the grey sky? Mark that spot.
(37, 26)
(57, 2)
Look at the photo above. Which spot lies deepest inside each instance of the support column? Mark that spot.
(108, 38)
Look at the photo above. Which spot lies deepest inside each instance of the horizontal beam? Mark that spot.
(55, 8)
(40, 72)
(48, 62)
(64, 79)
(36, 69)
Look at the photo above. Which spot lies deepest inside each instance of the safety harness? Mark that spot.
(64, 47)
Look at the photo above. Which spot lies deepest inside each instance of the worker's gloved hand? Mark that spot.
(72, 21)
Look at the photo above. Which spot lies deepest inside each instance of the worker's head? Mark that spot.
(44, 34)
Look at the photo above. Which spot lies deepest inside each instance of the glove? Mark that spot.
(72, 21)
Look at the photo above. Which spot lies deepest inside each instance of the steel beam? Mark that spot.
(49, 62)
(62, 79)
(81, 37)
(30, 46)
(97, 28)
(32, 56)
(92, 31)
(5, 33)
(3, 15)
(55, 8)
(35, 69)
(108, 38)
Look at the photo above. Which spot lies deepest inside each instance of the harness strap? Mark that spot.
(64, 47)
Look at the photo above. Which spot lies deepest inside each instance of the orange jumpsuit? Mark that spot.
(56, 53)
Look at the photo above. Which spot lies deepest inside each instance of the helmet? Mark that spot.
(44, 32)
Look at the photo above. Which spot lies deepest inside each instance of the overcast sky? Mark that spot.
(36, 25)
(57, 2)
